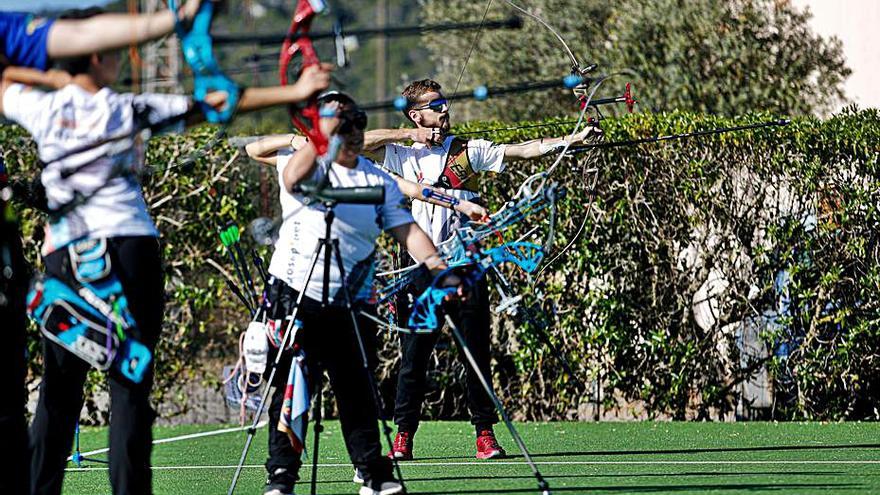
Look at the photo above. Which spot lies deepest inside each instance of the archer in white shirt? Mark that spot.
(328, 336)
(453, 166)
(87, 137)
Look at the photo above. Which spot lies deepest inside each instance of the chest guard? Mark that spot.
(457, 171)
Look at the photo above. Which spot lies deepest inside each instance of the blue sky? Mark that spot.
(41, 5)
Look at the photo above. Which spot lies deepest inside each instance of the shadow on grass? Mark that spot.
(612, 475)
(672, 488)
(768, 448)
(760, 487)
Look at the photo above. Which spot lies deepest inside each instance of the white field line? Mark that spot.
(180, 438)
(483, 464)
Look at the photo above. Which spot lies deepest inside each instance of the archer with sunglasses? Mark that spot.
(328, 334)
(451, 164)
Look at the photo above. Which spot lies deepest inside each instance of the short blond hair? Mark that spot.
(414, 90)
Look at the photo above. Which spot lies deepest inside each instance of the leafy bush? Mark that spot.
(683, 244)
(734, 215)
(705, 56)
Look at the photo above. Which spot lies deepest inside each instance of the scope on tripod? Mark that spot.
(366, 195)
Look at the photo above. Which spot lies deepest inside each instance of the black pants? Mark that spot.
(328, 339)
(472, 318)
(137, 263)
(14, 470)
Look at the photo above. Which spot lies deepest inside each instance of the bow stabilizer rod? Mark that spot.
(513, 22)
(674, 137)
(482, 93)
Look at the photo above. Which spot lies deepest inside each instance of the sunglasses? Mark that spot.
(439, 105)
(352, 119)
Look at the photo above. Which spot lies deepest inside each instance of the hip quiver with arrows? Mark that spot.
(89, 316)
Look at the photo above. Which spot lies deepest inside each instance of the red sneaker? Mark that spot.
(487, 446)
(403, 447)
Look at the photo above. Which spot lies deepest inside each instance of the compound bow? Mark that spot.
(306, 118)
(525, 255)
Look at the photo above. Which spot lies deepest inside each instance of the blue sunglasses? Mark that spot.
(439, 105)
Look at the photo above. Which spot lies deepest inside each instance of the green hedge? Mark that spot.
(753, 206)
(745, 210)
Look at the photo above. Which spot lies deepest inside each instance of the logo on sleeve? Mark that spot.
(35, 23)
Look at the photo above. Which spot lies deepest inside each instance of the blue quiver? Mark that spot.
(90, 319)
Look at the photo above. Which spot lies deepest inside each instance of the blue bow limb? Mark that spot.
(198, 51)
(525, 255)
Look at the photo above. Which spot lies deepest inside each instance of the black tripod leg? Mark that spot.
(542, 483)
(317, 428)
(288, 338)
(374, 388)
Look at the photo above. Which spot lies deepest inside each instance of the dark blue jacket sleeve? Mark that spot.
(23, 38)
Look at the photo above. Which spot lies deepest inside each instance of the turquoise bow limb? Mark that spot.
(198, 51)
(525, 255)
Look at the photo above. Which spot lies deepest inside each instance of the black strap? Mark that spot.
(142, 122)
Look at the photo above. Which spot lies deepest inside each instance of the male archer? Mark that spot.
(452, 165)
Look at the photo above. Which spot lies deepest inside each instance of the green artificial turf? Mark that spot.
(638, 457)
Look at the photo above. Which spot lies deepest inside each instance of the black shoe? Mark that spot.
(389, 487)
(280, 482)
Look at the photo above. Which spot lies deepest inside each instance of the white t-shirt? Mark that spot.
(356, 227)
(72, 118)
(425, 165)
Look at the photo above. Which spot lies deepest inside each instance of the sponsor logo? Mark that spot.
(35, 23)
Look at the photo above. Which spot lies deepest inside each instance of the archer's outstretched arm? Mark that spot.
(300, 167)
(314, 79)
(55, 79)
(417, 191)
(537, 148)
(419, 245)
(375, 140)
(266, 149)
(78, 37)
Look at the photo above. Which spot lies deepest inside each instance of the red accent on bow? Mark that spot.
(628, 98)
(297, 40)
(36, 301)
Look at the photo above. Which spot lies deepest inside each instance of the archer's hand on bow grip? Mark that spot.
(448, 284)
(307, 119)
(198, 51)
